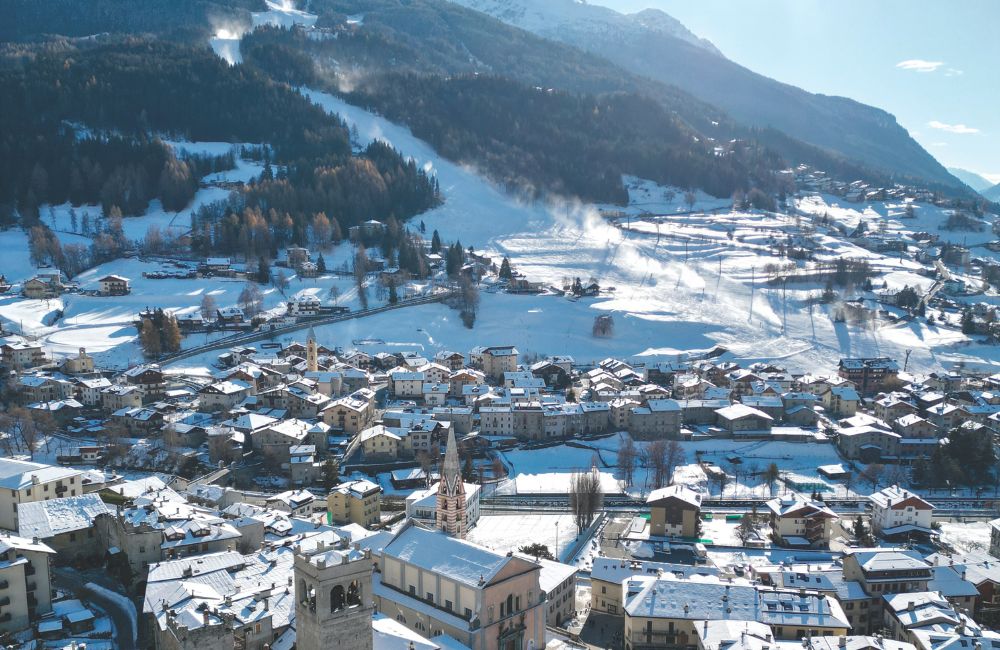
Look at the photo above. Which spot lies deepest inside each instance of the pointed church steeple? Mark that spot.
(450, 516)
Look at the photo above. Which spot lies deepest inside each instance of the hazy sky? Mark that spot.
(935, 65)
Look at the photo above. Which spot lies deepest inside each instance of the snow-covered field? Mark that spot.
(504, 533)
(681, 290)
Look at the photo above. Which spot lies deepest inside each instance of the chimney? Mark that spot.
(204, 618)
(842, 641)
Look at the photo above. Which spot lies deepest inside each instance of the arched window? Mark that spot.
(510, 605)
(337, 598)
(354, 594)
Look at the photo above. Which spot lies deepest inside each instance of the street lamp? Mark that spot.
(557, 542)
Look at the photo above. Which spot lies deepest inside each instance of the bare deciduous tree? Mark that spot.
(749, 527)
(280, 282)
(208, 307)
(771, 476)
(586, 498)
(251, 299)
(654, 457)
(675, 456)
(873, 474)
(627, 455)
(360, 271)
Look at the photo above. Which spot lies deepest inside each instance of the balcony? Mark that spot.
(642, 640)
(4, 601)
(4, 584)
(30, 570)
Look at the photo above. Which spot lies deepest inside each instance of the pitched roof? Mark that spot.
(18, 474)
(456, 559)
(681, 492)
(45, 519)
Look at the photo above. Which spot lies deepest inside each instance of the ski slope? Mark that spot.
(681, 291)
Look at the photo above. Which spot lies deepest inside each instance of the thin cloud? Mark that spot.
(959, 129)
(919, 65)
(953, 72)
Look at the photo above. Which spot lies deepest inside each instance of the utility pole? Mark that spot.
(753, 280)
(906, 360)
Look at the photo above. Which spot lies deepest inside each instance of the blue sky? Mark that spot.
(935, 65)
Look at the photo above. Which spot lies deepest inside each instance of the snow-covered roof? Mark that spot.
(456, 559)
(894, 495)
(739, 411)
(20, 474)
(889, 560)
(790, 505)
(46, 519)
(684, 493)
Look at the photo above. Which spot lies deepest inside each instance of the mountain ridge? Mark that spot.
(864, 133)
(972, 179)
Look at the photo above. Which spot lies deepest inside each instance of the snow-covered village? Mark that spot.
(483, 325)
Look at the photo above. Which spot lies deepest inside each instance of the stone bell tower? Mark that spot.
(333, 599)
(312, 352)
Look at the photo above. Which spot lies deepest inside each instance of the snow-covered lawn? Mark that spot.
(503, 533)
(966, 537)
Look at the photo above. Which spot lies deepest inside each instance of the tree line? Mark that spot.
(545, 141)
(313, 187)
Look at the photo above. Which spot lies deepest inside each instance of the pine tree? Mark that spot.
(263, 271)
(968, 322)
(331, 474)
(393, 296)
(435, 242)
(505, 272)
(321, 264)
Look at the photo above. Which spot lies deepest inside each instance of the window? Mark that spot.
(72, 537)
